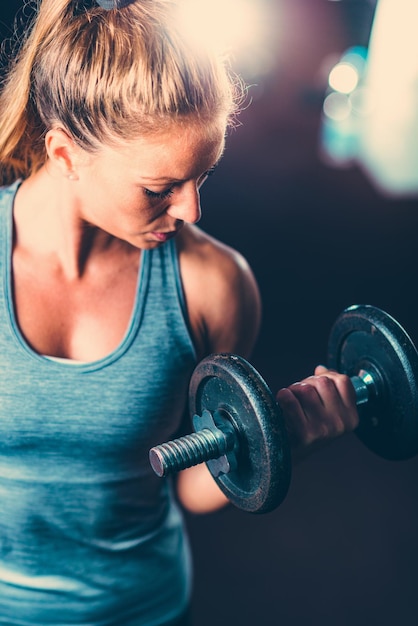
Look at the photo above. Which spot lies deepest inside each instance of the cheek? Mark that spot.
(110, 196)
(132, 207)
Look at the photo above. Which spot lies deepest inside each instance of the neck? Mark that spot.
(48, 221)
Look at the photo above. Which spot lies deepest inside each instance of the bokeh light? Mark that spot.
(237, 27)
(343, 77)
(337, 106)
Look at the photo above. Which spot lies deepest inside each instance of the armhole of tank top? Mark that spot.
(6, 239)
(180, 291)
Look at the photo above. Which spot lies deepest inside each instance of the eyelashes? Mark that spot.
(210, 171)
(163, 195)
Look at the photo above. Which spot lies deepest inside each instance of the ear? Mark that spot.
(63, 153)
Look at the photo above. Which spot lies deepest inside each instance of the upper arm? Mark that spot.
(222, 296)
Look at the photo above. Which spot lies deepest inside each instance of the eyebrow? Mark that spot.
(167, 179)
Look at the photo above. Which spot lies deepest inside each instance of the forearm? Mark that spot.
(198, 491)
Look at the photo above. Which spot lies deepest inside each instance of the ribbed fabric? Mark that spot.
(88, 534)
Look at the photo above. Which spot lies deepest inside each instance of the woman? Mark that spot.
(110, 124)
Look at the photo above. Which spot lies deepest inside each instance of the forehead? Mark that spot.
(179, 151)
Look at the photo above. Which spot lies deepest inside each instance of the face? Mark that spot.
(145, 190)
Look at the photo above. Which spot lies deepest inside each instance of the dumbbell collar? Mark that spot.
(222, 427)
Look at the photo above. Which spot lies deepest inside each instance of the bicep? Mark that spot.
(233, 319)
(222, 296)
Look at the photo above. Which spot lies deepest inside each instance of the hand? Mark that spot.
(319, 408)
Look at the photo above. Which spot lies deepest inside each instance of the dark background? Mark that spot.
(341, 550)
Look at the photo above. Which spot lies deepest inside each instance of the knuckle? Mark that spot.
(353, 420)
(345, 381)
(339, 428)
(334, 427)
(303, 390)
(330, 427)
(325, 383)
(308, 435)
(308, 391)
(322, 430)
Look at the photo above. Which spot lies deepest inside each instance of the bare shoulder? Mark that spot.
(221, 294)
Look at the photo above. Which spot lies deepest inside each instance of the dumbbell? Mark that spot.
(239, 428)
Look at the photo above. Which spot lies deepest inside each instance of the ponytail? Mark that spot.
(21, 129)
(104, 75)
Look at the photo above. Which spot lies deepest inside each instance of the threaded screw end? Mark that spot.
(179, 454)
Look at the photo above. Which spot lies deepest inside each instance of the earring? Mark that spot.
(72, 176)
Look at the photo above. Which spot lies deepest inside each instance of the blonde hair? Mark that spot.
(103, 76)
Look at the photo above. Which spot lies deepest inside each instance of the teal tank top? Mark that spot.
(88, 534)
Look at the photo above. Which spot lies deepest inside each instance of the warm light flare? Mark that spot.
(237, 27)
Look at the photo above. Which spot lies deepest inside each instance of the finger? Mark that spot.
(346, 390)
(325, 410)
(308, 418)
(296, 421)
(343, 385)
(318, 397)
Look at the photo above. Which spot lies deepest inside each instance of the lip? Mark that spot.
(164, 236)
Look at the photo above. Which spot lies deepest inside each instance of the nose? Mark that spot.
(185, 204)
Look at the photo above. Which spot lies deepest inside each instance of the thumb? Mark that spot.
(321, 369)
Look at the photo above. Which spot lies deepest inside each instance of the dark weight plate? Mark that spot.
(366, 338)
(229, 384)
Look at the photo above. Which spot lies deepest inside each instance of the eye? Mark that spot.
(159, 195)
(206, 175)
(209, 172)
